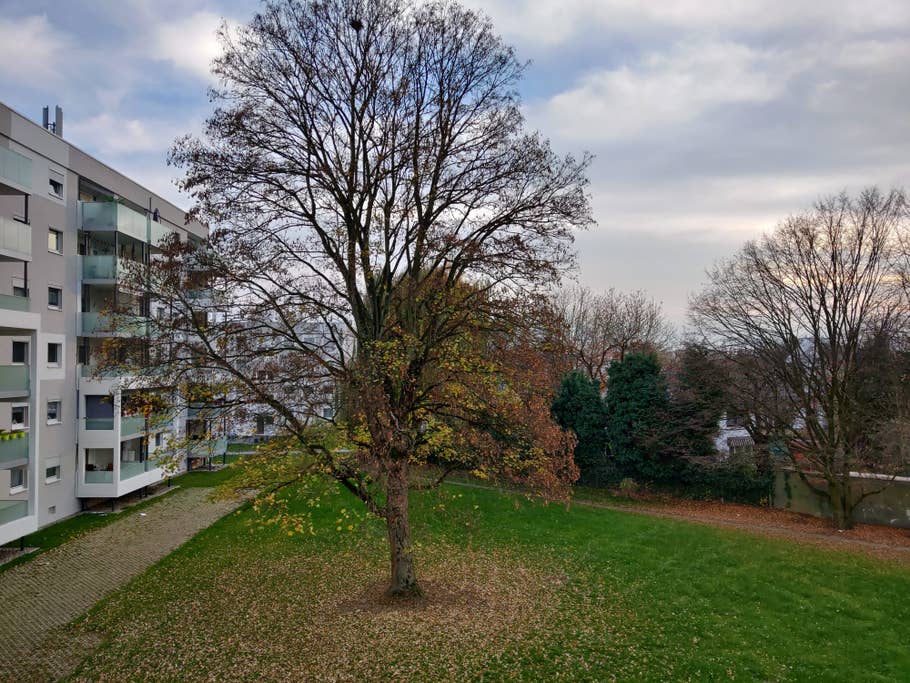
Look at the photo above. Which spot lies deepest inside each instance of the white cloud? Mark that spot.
(556, 22)
(661, 90)
(111, 136)
(190, 42)
(31, 50)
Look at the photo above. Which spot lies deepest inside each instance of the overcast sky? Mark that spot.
(710, 121)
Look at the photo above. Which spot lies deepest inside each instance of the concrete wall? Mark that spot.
(891, 507)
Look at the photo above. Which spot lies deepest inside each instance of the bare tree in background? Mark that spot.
(367, 171)
(813, 320)
(604, 326)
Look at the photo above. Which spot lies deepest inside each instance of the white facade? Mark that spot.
(68, 224)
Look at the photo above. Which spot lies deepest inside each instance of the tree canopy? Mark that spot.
(807, 316)
(382, 227)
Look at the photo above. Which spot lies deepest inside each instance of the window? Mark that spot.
(54, 355)
(54, 298)
(20, 417)
(158, 440)
(53, 412)
(20, 352)
(55, 241)
(55, 186)
(19, 288)
(735, 421)
(55, 183)
(18, 479)
(52, 474)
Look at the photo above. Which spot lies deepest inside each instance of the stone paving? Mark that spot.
(38, 598)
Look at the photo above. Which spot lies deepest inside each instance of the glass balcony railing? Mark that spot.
(11, 510)
(100, 267)
(131, 424)
(114, 216)
(206, 448)
(14, 303)
(14, 378)
(124, 325)
(15, 167)
(159, 233)
(15, 239)
(91, 371)
(99, 476)
(93, 424)
(128, 470)
(13, 447)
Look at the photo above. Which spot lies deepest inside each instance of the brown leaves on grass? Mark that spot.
(310, 617)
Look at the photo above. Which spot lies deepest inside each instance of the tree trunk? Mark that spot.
(398, 526)
(841, 508)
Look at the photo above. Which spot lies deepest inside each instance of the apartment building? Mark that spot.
(68, 226)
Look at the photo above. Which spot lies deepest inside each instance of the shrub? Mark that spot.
(628, 487)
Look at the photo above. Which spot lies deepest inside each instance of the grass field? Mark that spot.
(515, 591)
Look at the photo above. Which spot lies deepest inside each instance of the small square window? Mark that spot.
(52, 474)
(20, 352)
(19, 417)
(20, 290)
(54, 355)
(18, 479)
(55, 188)
(53, 412)
(54, 298)
(55, 241)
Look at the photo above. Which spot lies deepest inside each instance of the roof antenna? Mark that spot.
(55, 126)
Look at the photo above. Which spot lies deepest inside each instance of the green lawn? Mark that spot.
(516, 591)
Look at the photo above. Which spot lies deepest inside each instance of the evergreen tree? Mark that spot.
(638, 409)
(579, 407)
(698, 401)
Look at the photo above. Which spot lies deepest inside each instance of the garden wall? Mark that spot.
(891, 507)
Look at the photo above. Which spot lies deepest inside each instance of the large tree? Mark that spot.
(579, 407)
(638, 412)
(381, 224)
(698, 394)
(806, 316)
(600, 327)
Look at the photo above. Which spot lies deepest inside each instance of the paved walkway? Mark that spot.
(39, 597)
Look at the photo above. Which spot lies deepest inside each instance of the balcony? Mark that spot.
(111, 216)
(103, 267)
(15, 240)
(11, 510)
(14, 303)
(13, 449)
(159, 234)
(128, 470)
(102, 325)
(13, 381)
(131, 424)
(95, 424)
(206, 448)
(99, 476)
(16, 169)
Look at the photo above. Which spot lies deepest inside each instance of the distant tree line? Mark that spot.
(803, 335)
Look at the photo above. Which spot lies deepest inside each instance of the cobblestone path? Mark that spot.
(40, 597)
